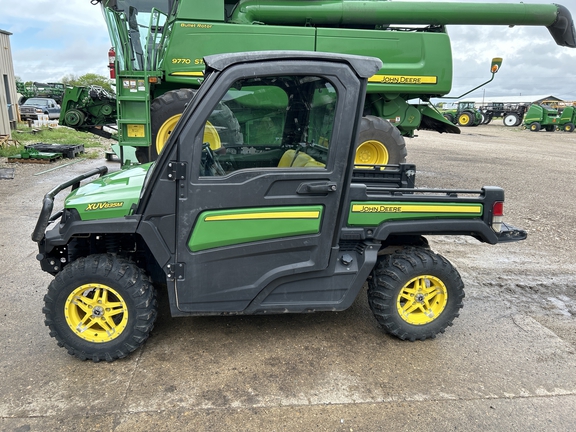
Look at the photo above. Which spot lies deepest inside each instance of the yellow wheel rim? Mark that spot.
(422, 300)
(96, 313)
(210, 134)
(371, 152)
(464, 119)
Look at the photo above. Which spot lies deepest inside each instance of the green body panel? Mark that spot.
(568, 115)
(190, 42)
(230, 227)
(546, 116)
(373, 213)
(110, 196)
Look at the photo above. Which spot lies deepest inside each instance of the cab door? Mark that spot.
(265, 157)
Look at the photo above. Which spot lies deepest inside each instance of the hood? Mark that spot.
(109, 196)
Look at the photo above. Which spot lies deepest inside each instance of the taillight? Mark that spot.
(497, 215)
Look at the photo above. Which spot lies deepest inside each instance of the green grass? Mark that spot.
(60, 135)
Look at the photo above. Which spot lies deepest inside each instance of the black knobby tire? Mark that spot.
(568, 127)
(449, 117)
(378, 136)
(121, 299)
(535, 127)
(550, 128)
(391, 289)
(173, 103)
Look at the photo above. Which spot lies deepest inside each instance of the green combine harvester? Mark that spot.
(158, 47)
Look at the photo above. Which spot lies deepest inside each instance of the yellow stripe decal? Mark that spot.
(266, 215)
(415, 208)
(403, 79)
(199, 74)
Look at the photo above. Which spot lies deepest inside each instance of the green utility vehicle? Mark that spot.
(541, 117)
(158, 46)
(282, 219)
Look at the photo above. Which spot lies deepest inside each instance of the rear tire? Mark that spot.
(415, 293)
(100, 307)
(568, 127)
(465, 119)
(511, 120)
(380, 143)
(550, 128)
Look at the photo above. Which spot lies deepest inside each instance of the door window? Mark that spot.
(270, 122)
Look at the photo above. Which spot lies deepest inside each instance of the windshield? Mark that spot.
(36, 101)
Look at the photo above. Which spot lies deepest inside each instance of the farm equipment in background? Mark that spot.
(88, 108)
(511, 114)
(465, 114)
(567, 119)
(44, 90)
(158, 71)
(541, 117)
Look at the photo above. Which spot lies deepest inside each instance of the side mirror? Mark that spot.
(496, 63)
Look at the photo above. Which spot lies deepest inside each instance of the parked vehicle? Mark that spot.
(465, 114)
(280, 218)
(511, 114)
(34, 106)
(541, 117)
(567, 119)
(43, 90)
(158, 46)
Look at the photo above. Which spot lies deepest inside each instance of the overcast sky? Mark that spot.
(49, 42)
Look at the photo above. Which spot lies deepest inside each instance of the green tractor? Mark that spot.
(465, 114)
(159, 46)
(541, 117)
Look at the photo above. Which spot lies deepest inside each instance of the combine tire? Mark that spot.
(165, 111)
(100, 307)
(380, 143)
(415, 293)
(466, 119)
(511, 120)
(568, 127)
(535, 127)
(550, 128)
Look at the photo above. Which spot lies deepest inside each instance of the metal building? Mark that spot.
(8, 94)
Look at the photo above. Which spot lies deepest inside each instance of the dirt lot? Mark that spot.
(507, 363)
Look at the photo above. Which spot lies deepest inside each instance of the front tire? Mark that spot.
(568, 127)
(415, 293)
(100, 307)
(380, 143)
(535, 127)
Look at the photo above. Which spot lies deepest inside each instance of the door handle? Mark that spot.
(316, 188)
